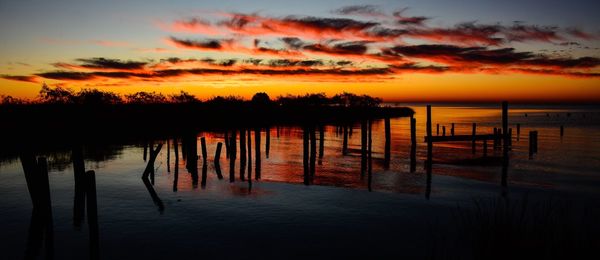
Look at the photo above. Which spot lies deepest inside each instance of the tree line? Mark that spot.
(64, 96)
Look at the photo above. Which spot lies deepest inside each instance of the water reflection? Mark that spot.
(358, 160)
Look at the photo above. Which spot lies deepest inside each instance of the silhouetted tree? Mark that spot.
(97, 97)
(57, 95)
(261, 98)
(183, 97)
(10, 100)
(352, 100)
(145, 98)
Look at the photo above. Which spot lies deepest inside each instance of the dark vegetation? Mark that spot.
(63, 115)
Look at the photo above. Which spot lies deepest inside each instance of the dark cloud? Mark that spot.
(520, 32)
(409, 20)
(32, 79)
(420, 68)
(483, 55)
(335, 24)
(289, 63)
(104, 63)
(351, 47)
(364, 10)
(66, 75)
(198, 44)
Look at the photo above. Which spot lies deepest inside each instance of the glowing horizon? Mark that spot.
(414, 52)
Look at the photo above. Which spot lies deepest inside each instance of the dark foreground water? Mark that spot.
(280, 217)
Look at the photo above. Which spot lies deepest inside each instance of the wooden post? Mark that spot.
(388, 143)
(452, 130)
(345, 142)
(267, 141)
(92, 212)
(249, 155)
(363, 147)
(533, 136)
(257, 153)
(204, 153)
(562, 130)
(168, 155)
(321, 143)
(443, 130)
(232, 155)
(243, 154)
(217, 160)
(429, 142)
(226, 144)
(413, 144)
(437, 131)
(176, 166)
(505, 144)
(370, 160)
(474, 133)
(145, 150)
(277, 132)
(150, 166)
(305, 137)
(313, 151)
(80, 186)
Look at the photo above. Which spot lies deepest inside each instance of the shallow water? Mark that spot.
(277, 216)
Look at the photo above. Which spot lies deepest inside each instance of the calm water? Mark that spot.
(278, 216)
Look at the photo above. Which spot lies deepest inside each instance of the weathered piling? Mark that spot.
(321, 143)
(232, 157)
(242, 154)
(267, 141)
(204, 162)
(313, 151)
(388, 143)
(157, 201)
(305, 163)
(204, 153)
(429, 143)
(92, 212)
(226, 140)
(345, 142)
(217, 160)
(204, 175)
(443, 130)
(370, 160)
(257, 154)
(80, 186)
(413, 144)
(437, 131)
(474, 133)
(176, 166)
(562, 130)
(145, 151)
(363, 147)
(505, 143)
(533, 143)
(168, 155)
(277, 132)
(150, 166)
(452, 130)
(249, 150)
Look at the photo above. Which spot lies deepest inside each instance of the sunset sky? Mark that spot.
(428, 50)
